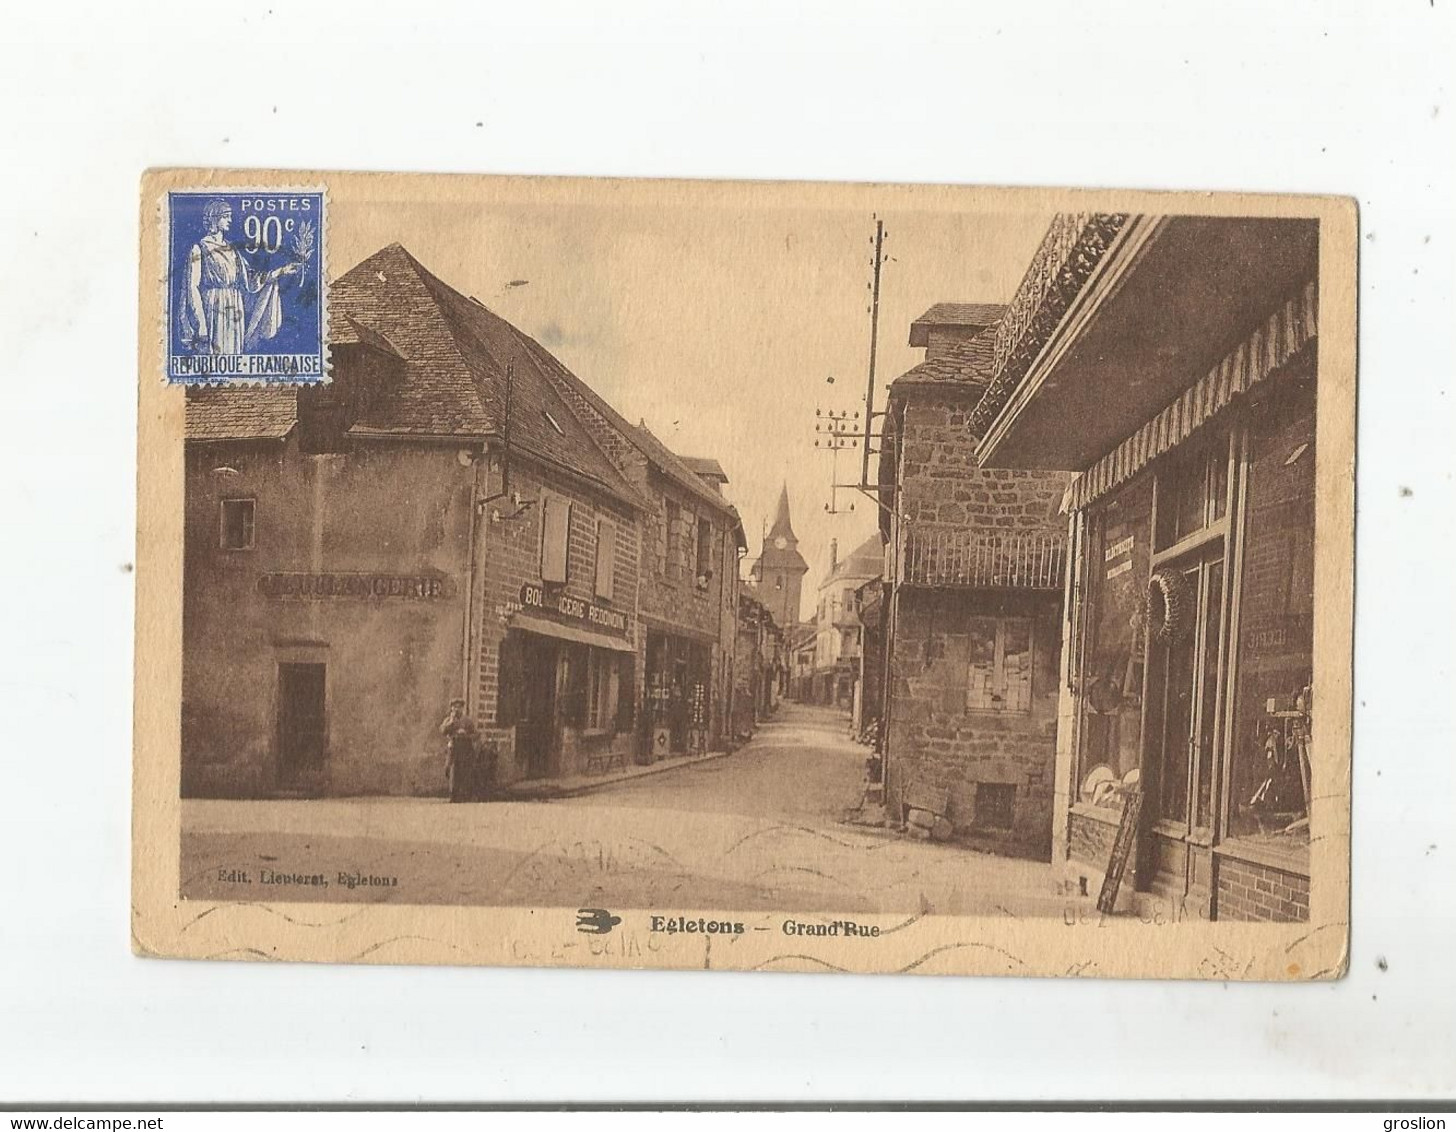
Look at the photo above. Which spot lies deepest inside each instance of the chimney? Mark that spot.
(833, 554)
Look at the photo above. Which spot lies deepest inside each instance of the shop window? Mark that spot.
(995, 805)
(1193, 491)
(704, 553)
(237, 524)
(1114, 578)
(555, 539)
(606, 565)
(1270, 749)
(604, 676)
(999, 665)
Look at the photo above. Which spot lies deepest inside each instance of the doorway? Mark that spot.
(302, 723)
(536, 723)
(1184, 735)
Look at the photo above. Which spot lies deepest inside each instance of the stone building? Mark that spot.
(1172, 362)
(760, 665)
(691, 542)
(838, 632)
(445, 519)
(974, 615)
(799, 645)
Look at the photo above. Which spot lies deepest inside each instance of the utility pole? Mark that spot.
(842, 427)
(864, 474)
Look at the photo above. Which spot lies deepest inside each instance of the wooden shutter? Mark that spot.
(606, 559)
(555, 527)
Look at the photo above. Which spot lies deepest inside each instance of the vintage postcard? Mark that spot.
(744, 576)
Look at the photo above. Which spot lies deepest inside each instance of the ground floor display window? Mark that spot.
(1113, 578)
(550, 686)
(678, 701)
(1194, 622)
(1270, 775)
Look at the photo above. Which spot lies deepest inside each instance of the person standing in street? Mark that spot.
(460, 750)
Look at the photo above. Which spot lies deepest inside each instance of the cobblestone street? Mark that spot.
(760, 829)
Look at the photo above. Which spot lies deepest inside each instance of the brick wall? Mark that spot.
(510, 556)
(1249, 891)
(667, 558)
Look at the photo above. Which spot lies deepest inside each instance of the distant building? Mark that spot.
(946, 326)
(800, 648)
(760, 667)
(837, 624)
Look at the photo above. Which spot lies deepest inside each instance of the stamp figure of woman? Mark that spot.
(214, 312)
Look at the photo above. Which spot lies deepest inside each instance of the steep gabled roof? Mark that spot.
(639, 436)
(789, 558)
(456, 353)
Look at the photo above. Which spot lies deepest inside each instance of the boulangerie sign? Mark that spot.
(499, 606)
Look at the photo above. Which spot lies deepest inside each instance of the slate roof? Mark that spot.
(670, 462)
(867, 558)
(232, 413)
(961, 314)
(639, 436)
(706, 467)
(455, 353)
(967, 363)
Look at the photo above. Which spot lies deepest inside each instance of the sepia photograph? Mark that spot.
(800, 565)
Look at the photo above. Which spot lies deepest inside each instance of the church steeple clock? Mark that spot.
(781, 568)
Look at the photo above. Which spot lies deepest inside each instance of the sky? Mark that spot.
(723, 320)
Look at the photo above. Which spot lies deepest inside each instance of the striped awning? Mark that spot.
(1288, 330)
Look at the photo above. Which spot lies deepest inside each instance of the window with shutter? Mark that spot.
(999, 668)
(606, 559)
(555, 528)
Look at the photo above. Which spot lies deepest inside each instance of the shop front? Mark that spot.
(678, 700)
(565, 688)
(1188, 362)
(1194, 675)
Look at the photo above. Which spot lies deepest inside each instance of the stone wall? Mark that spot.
(941, 749)
(942, 486)
(939, 744)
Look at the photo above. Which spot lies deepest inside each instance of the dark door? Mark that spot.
(1186, 690)
(302, 723)
(536, 727)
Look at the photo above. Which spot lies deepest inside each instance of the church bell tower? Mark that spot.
(781, 568)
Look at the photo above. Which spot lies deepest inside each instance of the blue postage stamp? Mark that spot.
(245, 287)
